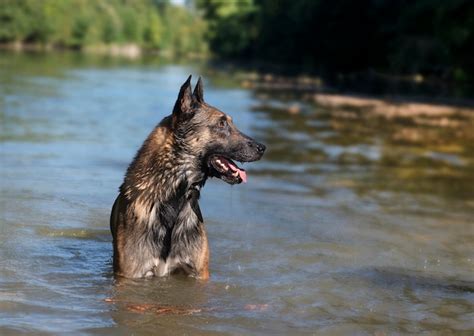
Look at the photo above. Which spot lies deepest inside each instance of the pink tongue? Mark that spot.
(242, 173)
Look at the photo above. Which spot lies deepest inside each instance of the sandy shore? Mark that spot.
(391, 108)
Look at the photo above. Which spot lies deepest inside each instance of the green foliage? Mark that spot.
(153, 31)
(231, 25)
(402, 36)
(13, 21)
(151, 24)
(79, 32)
(187, 33)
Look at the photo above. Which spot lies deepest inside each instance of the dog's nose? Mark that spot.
(261, 148)
(258, 146)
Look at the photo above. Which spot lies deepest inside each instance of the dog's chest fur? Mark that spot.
(172, 230)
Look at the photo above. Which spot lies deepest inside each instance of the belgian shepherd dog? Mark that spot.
(156, 222)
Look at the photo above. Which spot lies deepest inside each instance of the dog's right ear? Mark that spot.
(183, 106)
(198, 93)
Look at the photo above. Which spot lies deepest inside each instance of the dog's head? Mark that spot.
(209, 135)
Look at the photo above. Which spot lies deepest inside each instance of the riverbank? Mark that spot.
(370, 89)
(438, 124)
(390, 103)
(130, 51)
(393, 107)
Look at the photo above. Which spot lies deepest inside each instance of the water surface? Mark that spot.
(349, 225)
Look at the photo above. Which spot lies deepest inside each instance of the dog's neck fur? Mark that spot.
(174, 177)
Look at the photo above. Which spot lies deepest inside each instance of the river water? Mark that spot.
(346, 226)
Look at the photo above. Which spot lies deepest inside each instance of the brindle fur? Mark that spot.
(156, 222)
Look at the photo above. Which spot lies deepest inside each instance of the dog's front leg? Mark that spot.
(202, 260)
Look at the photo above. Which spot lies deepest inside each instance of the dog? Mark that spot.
(156, 223)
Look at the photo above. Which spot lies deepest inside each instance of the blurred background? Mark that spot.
(358, 219)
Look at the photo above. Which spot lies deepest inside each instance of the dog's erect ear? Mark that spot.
(183, 105)
(198, 93)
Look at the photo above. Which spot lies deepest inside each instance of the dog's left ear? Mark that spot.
(198, 93)
(183, 106)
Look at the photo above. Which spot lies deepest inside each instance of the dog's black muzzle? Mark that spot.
(241, 148)
(247, 149)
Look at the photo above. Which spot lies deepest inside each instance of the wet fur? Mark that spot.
(156, 222)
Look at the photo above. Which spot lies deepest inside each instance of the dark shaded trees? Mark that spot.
(432, 37)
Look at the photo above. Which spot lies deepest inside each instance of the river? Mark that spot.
(348, 225)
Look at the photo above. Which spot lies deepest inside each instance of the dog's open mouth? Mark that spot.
(225, 169)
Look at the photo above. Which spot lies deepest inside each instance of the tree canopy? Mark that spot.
(153, 24)
(427, 37)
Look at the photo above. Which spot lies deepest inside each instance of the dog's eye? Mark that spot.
(222, 123)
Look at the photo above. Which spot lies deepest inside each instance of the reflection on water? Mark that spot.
(354, 222)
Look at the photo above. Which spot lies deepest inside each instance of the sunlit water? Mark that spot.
(343, 228)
